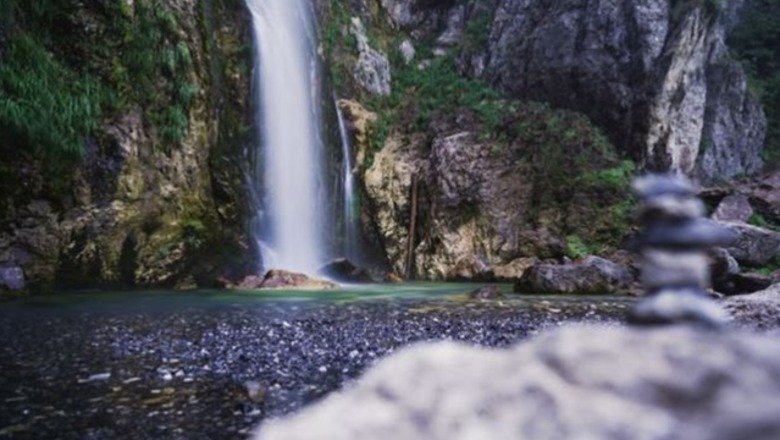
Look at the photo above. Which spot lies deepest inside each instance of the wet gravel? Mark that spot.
(214, 372)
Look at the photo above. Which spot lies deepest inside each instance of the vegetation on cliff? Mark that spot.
(756, 42)
(124, 119)
(67, 68)
(577, 183)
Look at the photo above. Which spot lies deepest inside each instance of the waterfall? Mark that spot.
(351, 210)
(291, 147)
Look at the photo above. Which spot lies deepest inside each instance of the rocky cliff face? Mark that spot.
(654, 75)
(157, 199)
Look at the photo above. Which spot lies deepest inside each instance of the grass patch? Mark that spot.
(576, 248)
(44, 106)
(59, 79)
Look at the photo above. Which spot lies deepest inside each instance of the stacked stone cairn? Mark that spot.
(672, 246)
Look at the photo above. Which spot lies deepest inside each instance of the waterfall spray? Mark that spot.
(351, 214)
(287, 94)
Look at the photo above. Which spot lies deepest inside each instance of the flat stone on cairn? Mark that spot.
(673, 245)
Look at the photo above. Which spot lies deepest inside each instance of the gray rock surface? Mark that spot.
(574, 383)
(765, 196)
(593, 275)
(753, 245)
(733, 208)
(11, 278)
(407, 51)
(593, 58)
(478, 205)
(734, 125)
(723, 268)
(652, 74)
(372, 70)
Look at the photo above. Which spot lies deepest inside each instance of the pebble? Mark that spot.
(96, 378)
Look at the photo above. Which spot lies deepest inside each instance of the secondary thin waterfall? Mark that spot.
(351, 221)
(286, 88)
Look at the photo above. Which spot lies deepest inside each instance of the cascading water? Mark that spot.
(286, 68)
(351, 226)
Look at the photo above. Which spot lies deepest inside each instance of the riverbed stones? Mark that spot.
(574, 383)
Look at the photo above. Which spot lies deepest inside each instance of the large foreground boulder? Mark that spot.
(575, 383)
(591, 276)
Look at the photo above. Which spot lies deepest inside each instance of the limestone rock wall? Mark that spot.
(653, 75)
(142, 208)
(646, 71)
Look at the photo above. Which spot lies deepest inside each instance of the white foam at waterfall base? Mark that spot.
(285, 66)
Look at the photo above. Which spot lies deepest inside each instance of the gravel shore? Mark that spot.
(169, 368)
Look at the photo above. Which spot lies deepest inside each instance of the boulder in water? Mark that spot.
(486, 292)
(283, 279)
(251, 282)
(593, 275)
(574, 383)
(341, 269)
(11, 278)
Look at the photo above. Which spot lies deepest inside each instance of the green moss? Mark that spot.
(421, 94)
(339, 43)
(617, 177)
(575, 247)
